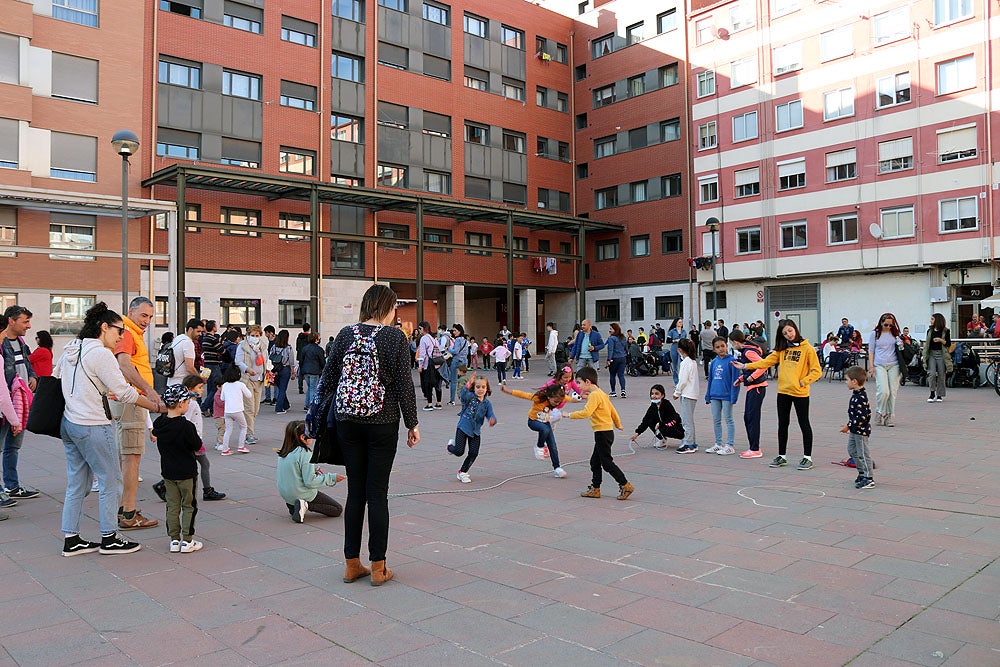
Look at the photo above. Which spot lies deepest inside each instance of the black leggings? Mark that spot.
(369, 450)
(321, 504)
(801, 403)
(430, 383)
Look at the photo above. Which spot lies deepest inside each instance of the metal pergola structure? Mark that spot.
(316, 193)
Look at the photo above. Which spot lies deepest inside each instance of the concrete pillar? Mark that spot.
(454, 306)
(528, 313)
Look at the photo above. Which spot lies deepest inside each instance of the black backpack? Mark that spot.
(560, 353)
(165, 360)
(277, 359)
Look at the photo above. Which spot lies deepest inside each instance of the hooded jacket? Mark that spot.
(799, 368)
(177, 440)
(96, 372)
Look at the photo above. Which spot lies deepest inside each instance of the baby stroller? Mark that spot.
(638, 363)
(913, 372)
(966, 373)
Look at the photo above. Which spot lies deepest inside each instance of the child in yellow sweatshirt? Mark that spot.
(602, 416)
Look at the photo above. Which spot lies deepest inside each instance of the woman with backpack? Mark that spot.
(282, 365)
(368, 375)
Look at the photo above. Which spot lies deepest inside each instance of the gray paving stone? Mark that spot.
(481, 632)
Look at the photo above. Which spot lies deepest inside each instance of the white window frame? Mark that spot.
(782, 7)
(68, 236)
(842, 220)
(708, 189)
(787, 58)
(892, 214)
(891, 26)
(704, 30)
(793, 224)
(708, 135)
(962, 154)
(742, 15)
(797, 162)
(893, 160)
(963, 9)
(748, 234)
(960, 72)
(836, 43)
(746, 182)
(958, 202)
(706, 83)
(787, 107)
(841, 97)
(742, 130)
(743, 72)
(893, 83)
(845, 171)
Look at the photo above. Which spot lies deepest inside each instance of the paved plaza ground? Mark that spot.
(712, 561)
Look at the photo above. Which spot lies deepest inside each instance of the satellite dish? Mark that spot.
(875, 230)
(722, 33)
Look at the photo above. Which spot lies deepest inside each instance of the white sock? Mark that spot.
(808, 458)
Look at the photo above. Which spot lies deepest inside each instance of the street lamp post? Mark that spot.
(713, 226)
(126, 144)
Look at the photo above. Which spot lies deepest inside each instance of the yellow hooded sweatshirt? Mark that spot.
(799, 368)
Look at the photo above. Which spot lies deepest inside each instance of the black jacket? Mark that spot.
(177, 439)
(311, 360)
(663, 415)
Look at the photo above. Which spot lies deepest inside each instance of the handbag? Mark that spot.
(327, 447)
(45, 416)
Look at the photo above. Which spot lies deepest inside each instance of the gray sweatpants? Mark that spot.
(857, 449)
(687, 419)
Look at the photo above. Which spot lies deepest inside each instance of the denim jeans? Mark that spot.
(453, 376)
(723, 410)
(11, 449)
(546, 438)
(281, 379)
(617, 370)
(675, 362)
(90, 450)
(584, 362)
(210, 387)
(312, 382)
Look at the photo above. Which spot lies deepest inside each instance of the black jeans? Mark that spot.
(801, 403)
(602, 459)
(321, 504)
(369, 450)
(706, 360)
(430, 384)
(461, 438)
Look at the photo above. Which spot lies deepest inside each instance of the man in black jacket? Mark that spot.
(300, 342)
(312, 359)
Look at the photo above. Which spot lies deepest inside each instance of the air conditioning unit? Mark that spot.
(939, 294)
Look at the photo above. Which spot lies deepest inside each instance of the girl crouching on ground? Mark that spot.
(299, 480)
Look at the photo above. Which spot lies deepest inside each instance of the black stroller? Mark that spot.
(966, 373)
(638, 363)
(913, 366)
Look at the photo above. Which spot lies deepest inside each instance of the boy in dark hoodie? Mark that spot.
(661, 418)
(722, 393)
(177, 440)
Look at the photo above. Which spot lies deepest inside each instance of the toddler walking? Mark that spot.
(476, 409)
(859, 426)
(233, 393)
(541, 416)
(177, 440)
(603, 416)
(299, 479)
(687, 390)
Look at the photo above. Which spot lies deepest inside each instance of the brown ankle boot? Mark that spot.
(380, 573)
(354, 570)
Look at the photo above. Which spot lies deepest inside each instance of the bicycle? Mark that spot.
(992, 374)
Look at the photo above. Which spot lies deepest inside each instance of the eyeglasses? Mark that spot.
(121, 330)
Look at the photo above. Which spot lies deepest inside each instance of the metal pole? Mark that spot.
(315, 261)
(581, 274)
(715, 292)
(420, 261)
(510, 270)
(124, 234)
(180, 295)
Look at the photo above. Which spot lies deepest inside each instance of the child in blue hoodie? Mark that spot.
(476, 409)
(723, 391)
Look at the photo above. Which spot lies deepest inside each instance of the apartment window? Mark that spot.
(636, 85)
(346, 180)
(602, 46)
(706, 83)
(562, 54)
(81, 12)
(439, 182)
(180, 74)
(838, 104)
(791, 174)
(66, 313)
(292, 313)
(512, 89)
(948, 11)
(562, 102)
(240, 312)
(608, 310)
(477, 134)
(480, 240)
(296, 161)
(540, 94)
(704, 31)
(708, 189)
(958, 143)
(294, 221)
(606, 250)
(743, 72)
(73, 156)
(745, 126)
(670, 130)
(352, 10)
(347, 128)
(666, 21)
(788, 115)
(634, 33)
(392, 176)
(514, 141)
(437, 124)
(477, 188)
(298, 96)
(669, 307)
(741, 16)
(708, 136)
(439, 68)
(893, 90)
(512, 37)
(793, 235)
(715, 299)
(672, 241)
(891, 26)
(841, 165)
(640, 245)
(72, 232)
(239, 217)
(476, 78)
(242, 17)
(895, 155)
(297, 31)
(74, 78)
(637, 191)
(565, 248)
(637, 138)
(347, 67)
(582, 170)
(896, 222)
(520, 243)
(843, 229)
(606, 198)
(398, 5)
(747, 240)
(604, 96)
(581, 8)
(177, 144)
(475, 25)
(240, 153)
(670, 186)
(393, 56)
(238, 84)
(782, 7)
(637, 307)
(8, 229)
(604, 147)
(959, 214)
(747, 182)
(562, 151)
(193, 213)
(436, 13)
(787, 58)
(9, 152)
(10, 59)
(347, 257)
(390, 231)
(836, 43)
(437, 236)
(580, 72)
(667, 75)
(393, 115)
(955, 75)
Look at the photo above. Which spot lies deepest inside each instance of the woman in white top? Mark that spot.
(882, 345)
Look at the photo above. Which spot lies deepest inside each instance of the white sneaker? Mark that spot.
(175, 546)
(188, 547)
(714, 449)
(140, 478)
(726, 451)
(219, 446)
(539, 453)
(559, 472)
(463, 477)
(659, 444)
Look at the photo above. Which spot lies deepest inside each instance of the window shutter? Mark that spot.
(748, 176)
(75, 152)
(244, 11)
(237, 149)
(954, 141)
(298, 90)
(9, 59)
(8, 140)
(791, 168)
(438, 123)
(298, 25)
(840, 158)
(895, 149)
(392, 114)
(74, 77)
